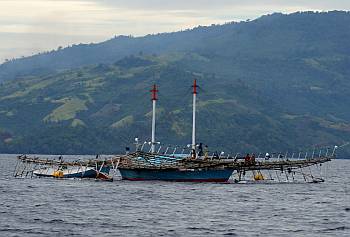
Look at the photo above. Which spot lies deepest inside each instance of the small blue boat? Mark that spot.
(74, 172)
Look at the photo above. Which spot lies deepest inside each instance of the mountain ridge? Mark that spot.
(277, 83)
(121, 46)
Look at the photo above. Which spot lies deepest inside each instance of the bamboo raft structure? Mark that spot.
(143, 160)
(148, 161)
(140, 160)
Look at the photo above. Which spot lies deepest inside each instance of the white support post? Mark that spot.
(194, 118)
(153, 126)
(160, 147)
(154, 99)
(166, 150)
(194, 123)
(334, 149)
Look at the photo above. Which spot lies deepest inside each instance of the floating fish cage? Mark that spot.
(273, 169)
(37, 167)
(157, 166)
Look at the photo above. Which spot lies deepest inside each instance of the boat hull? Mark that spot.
(197, 175)
(73, 173)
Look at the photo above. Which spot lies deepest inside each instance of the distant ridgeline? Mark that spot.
(277, 83)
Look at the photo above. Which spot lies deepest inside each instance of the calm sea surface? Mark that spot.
(49, 207)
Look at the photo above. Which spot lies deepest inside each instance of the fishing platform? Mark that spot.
(141, 165)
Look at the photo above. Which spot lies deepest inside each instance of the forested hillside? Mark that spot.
(280, 82)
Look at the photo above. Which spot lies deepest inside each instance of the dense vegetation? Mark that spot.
(281, 82)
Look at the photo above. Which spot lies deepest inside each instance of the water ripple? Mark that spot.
(43, 207)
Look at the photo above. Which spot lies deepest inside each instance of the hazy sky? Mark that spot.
(31, 26)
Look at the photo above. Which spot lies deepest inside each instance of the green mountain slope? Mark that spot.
(100, 109)
(281, 82)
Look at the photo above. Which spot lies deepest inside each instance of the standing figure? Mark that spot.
(200, 149)
(206, 151)
(247, 159)
(252, 159)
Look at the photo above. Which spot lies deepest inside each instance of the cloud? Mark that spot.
(63, 22)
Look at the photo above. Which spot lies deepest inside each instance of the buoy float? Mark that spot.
(58, 174)
(258, 176)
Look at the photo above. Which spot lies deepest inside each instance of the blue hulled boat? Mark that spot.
(179, 175)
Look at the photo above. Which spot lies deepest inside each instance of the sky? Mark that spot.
(31, 26)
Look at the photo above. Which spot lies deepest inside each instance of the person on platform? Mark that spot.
(252, 159)
(200, 149)
(193, 154)
(216, 155)
(247, 158)
(206, 151)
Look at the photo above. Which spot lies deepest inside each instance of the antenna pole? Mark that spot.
(154, 99)
(194, 117)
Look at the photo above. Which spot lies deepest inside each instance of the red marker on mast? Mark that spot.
(195, 86)
(154, 92)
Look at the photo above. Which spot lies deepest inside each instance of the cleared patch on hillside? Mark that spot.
(78, 123)
(67, 111)
(26, 90)
(159, 112)
(179, 128)
(124, 122)
(219, 102)
(106, 111)
(93, 84)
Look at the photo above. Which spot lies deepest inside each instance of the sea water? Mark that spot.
(51, 207)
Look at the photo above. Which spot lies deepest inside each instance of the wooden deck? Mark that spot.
(145, 160)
